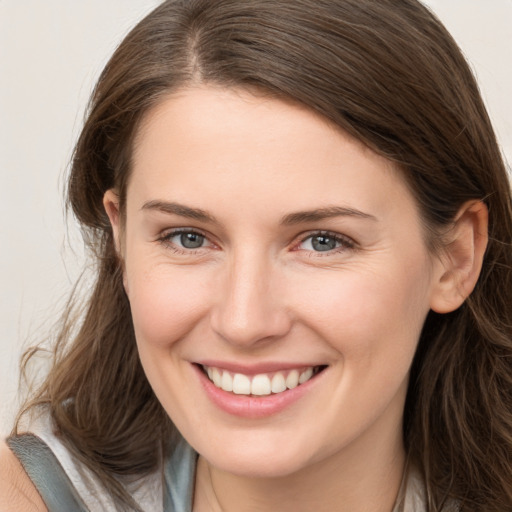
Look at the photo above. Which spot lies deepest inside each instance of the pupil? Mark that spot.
(191, 240)
(323, 243)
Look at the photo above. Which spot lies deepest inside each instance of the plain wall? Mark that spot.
(51, 52)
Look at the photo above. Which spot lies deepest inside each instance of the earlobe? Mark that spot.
(461, 260)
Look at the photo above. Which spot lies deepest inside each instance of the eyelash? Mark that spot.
(165, 240)
(345, 243)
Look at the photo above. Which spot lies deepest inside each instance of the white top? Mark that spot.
(171, 490)
(147, 492)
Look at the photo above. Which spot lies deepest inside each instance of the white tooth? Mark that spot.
(278, 383)
(305, 375)
(209, 371)
(241, 384)
(292, 381)
(261, 385)
(226, 382)
(217, 377)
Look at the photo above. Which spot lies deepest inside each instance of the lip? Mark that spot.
(252, 407)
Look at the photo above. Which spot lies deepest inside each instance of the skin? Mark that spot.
(258, 291)
(16, 489)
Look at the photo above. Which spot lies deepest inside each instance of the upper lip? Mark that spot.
(257, 368)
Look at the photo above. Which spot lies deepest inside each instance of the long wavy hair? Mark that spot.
(389, 74)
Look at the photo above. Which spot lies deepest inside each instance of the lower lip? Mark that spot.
(252, 407)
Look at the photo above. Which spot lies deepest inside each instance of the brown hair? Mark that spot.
(388, 73)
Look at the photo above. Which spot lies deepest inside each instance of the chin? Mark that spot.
(258, 467)
(257, 459)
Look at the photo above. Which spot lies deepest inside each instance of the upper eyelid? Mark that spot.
(170, 232)
(333, 234)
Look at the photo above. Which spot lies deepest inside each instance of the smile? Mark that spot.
(261, 384)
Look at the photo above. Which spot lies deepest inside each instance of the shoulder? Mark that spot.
(17, 492)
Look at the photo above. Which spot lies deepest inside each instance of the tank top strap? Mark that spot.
(46, 473)
(179, 478)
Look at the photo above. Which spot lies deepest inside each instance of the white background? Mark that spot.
(51, 52)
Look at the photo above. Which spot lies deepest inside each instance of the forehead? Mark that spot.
(216, 145)
(247, 115)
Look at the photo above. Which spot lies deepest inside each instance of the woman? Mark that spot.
(302, 225)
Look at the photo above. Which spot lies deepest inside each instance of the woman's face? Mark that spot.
(262, 246)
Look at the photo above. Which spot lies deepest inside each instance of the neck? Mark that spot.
(349, 480)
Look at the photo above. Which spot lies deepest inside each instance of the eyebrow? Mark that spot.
(324, 213)
(179, 209)
(288, 220)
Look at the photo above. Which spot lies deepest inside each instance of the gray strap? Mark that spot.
(179, 475)
(46, 473)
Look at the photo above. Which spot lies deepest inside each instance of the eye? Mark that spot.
(185, 239)
(190, 240)
(325, 242)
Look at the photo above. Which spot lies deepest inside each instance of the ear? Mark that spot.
(462, 257)
(111, 205)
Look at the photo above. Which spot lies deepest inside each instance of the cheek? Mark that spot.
(165, 305)
(373, 322)
(365, 314)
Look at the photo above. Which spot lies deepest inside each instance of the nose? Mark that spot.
(250, 308)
